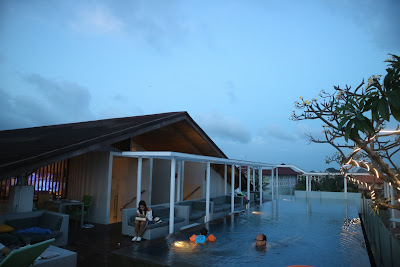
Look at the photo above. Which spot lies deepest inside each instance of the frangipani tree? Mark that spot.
(355, 124)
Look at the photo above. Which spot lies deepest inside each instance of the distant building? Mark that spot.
(287, 179)
(370, 180)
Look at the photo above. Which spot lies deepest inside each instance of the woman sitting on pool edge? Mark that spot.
(201, 238)
(144, 216)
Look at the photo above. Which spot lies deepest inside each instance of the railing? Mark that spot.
(384, 246)
(192, 193)
(130, 201)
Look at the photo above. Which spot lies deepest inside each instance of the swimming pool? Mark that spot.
(299, 231)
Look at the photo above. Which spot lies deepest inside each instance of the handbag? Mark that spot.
(141, 219)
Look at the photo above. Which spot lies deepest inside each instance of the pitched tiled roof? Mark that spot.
(369, 179)
(282, 171)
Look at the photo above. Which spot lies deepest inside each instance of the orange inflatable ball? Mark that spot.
(211, 238)
(193, 238)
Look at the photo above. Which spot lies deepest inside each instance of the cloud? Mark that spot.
(224, 127)
(98, 19)
(276, 131)
(380, 20)
(230, 90)
(48, 102)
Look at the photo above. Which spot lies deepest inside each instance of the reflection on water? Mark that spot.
(332, 231)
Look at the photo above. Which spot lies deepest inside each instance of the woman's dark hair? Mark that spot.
(142, 203)
(203, 231)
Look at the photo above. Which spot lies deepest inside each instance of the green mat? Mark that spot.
(27, 255)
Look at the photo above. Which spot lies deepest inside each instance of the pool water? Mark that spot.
(299, 232)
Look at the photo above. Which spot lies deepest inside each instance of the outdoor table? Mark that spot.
(62, 203)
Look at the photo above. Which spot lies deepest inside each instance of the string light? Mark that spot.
(358, 165)
(356, 149)
(389, 131)
(368, 168)
(377, 173)
(348, 161)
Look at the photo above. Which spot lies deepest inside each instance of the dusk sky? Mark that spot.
(236, 67)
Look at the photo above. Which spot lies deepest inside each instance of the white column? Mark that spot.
(178, 184)
(240, 178)
(150, 181)
(233, 189)
(345, 184)
(208, 193)
(392, 201)
(183, 179)
(254, 178)
(385, 190)
(306, 183)
(172, 197)
(277, 183)
(139, 181)
(272, 182)
(260, 183)
(248, 186)
(226, 178)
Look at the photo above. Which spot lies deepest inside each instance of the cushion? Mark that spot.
(219, 200)
(196, 214)
(50, 221)
(157, 225)
(179, 219)
(218, 208)
(227, 206)
(4, 228)
(199, 205)
(161, 212)
(23, 223)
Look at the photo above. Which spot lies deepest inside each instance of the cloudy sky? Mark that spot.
(236, 66)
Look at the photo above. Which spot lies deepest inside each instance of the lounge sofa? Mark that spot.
(156, 230)
(56, 225)
(197, 209)
(222, 205)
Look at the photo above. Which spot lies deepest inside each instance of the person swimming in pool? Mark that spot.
(261, 241)
(202, 238)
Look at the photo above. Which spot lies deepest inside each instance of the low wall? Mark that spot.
(354, 197)
(385, 247)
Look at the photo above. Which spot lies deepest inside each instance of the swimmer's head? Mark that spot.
(203, 231)
(261, 240)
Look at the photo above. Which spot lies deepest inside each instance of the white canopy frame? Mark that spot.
(184, 157)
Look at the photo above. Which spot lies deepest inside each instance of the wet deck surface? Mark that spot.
(95, 247)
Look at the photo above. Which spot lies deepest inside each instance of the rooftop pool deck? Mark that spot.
(300, 231)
